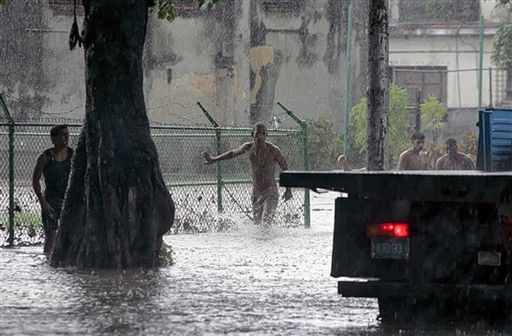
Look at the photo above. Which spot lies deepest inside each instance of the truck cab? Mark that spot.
(426, 244)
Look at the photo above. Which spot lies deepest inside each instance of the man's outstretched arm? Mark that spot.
(208, 159)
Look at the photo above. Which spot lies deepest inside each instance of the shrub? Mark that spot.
(398, 131)
(324, 144)
(433, 114)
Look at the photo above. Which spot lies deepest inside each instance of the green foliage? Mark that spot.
(433, 113)
(166, 10)
(30, 219)
(502, 42)
(324, 144)
(2, 3)
(502, 45)
(166, 255)
(399, 124)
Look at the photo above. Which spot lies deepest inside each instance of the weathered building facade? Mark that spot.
(239, 60)
(435, 51)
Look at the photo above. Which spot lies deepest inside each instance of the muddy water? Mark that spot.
(250, 282)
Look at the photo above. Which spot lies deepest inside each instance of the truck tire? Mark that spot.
(422, 311)
(410, 309)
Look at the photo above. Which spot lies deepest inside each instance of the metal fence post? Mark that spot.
(347, 82)
(305, 153)
(481, 62)
(305, 150)
(10, 239)
(219, 170)
(490, 87)
(218, 167)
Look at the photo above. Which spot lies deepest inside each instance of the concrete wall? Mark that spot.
(305, 82)
(62, 68)
(301, 58)
(39, 76)
(238, 60)
(179, 70)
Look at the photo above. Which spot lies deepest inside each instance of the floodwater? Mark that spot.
(246, 282)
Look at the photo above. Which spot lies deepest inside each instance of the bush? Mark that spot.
(166, 255)
(398, 131)
(324, 144)
(433, 114)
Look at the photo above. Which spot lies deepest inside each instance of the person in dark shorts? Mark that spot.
(54, 164)
(264, 157)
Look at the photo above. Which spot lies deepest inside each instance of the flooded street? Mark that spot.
(250, 282)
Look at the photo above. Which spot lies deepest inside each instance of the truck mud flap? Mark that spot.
(378, 289)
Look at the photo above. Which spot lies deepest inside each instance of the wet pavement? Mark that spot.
(246, 282)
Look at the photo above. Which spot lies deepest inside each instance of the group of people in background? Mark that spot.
(415, 158)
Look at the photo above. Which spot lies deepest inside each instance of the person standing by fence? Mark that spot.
(54, 164)
(263, 156)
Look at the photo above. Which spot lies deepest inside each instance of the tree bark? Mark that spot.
(117, 206)
(378, 84)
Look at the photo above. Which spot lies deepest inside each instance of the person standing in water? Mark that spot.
(264, 157)
(54, 164)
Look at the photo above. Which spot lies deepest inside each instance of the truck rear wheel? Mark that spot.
(426, 310)
(410, 309)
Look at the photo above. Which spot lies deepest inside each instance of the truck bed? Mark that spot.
(404, 185)
(451, 217)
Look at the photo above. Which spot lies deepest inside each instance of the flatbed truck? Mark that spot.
(426, 244)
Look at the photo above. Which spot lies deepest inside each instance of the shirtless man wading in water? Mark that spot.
(263, 157)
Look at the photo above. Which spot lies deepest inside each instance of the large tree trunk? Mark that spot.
(117, 206)
(378, 84)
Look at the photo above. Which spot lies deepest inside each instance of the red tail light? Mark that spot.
(388, 229)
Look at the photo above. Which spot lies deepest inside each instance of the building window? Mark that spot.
(439, 11)
(422, 81)
(65, 7)
(282, 6)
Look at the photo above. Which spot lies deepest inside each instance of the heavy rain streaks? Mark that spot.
(410, 238)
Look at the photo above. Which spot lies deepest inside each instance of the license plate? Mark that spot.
(389, 248)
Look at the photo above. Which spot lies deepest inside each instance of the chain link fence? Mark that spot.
(208, 197)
